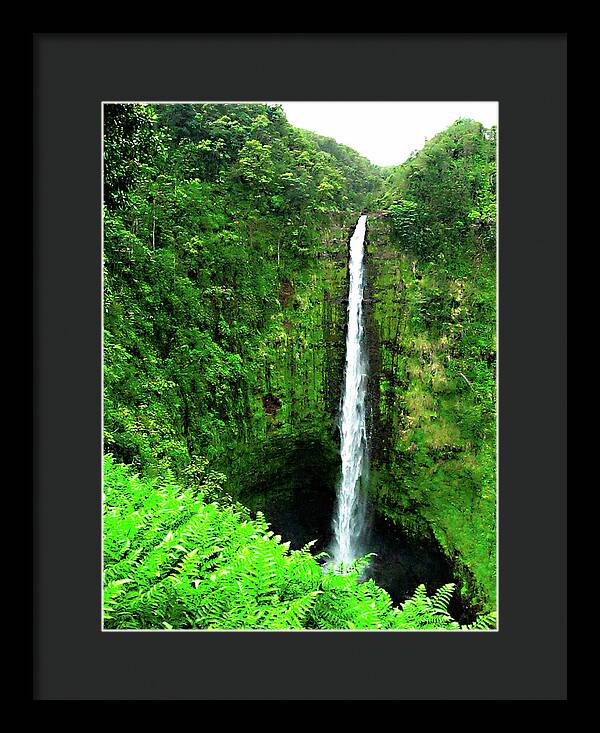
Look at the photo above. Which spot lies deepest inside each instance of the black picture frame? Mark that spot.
(526, 658)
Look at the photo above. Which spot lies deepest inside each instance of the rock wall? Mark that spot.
(293, 450)
(426, 475)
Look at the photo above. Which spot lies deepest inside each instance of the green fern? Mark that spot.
(176, 559)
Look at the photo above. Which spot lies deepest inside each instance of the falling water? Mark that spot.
(349, 515)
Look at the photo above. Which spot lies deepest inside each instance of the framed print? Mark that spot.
(290, 335)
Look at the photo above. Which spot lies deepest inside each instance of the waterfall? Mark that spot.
(349, 515)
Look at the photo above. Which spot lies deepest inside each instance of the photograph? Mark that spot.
(299, 360)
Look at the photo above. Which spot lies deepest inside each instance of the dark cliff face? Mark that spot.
(293, 441)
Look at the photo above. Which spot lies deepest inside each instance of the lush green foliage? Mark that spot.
(175, 557)
(442, 201)
(436, 316)
(363, 179)
(214, 214)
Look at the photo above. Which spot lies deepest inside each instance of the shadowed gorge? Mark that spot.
(262, 350)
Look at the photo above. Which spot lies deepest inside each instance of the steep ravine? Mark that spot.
(291, 470)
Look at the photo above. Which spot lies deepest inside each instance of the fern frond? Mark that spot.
(173, 560)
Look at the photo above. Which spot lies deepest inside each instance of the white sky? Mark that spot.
(385, 132)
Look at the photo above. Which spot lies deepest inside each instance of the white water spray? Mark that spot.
(349, 515)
